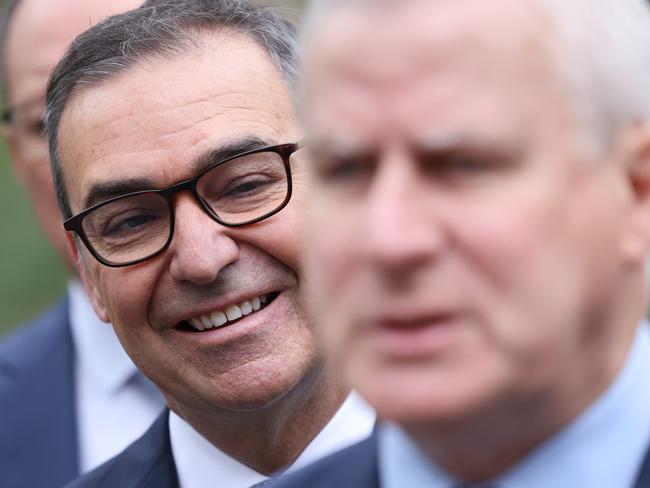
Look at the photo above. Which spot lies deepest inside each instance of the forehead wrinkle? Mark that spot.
(472, 49)
(143, 115)
(379, 30)
(263, 88)
(246, 116)
(207, 108)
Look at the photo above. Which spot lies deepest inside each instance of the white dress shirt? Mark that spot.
(199, 464)
(115, 402)
(603, 448)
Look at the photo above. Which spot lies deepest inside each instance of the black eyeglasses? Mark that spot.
(240, 190)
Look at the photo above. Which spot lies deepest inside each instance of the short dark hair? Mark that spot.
(157, 28)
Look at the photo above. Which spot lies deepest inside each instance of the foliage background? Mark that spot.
(31, 276)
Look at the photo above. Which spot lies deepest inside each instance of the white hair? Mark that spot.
(602, 54)
(599, 50)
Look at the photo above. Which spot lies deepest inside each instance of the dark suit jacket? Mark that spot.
(147, 463)
(353, 467)
(38, 433)
(357, 467)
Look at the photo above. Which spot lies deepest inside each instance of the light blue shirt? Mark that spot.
(603, 448)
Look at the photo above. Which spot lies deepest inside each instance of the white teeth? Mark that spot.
(218, 318)
(197, 324)
(234, 312)
(207, 323)
(246, 307)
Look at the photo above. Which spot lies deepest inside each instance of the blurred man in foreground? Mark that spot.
(482, 169)
(70, 397)
(173, 140)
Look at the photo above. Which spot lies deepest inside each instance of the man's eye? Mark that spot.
(344, 171)
(465, 164)
(251, 186)
(127, 226)
(460, 165)
(245, 187)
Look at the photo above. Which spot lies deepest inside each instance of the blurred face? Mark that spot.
(152, 127)
(39, 33)
(466, 250)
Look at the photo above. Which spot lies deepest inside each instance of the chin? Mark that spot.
(255, 391)
(422, 398)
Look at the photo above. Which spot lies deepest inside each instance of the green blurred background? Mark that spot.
(31, 277)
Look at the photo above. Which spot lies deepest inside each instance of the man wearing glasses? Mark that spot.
(175, 156)
(70, 397)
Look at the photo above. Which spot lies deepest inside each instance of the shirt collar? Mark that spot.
(199, 463)
(579, 455)
(98, 351)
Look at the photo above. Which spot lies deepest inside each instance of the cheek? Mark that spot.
(513, 250)
(283, 238)
(283, 235)
(127, 294)
(495, 239)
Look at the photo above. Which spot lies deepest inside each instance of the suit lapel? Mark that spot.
(38, 396)
(147, 463)
(643, 481)
(360, 467)
(163, 469)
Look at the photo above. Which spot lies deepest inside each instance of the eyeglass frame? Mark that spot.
(74, 223)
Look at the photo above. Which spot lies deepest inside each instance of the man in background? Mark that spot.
(70, 398)
(481, 169)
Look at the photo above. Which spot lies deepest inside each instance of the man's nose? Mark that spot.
(200, 247)
(402, 231)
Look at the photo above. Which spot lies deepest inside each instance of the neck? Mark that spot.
(272, 437)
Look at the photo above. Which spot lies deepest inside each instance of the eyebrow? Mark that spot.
(228, 150)
(102, 191)
(452, 141)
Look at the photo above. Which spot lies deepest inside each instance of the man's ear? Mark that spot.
(87, 280)
(636, 155)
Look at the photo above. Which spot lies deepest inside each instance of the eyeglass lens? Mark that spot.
(235, 192)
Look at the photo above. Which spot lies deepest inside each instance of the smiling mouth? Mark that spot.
(227, 316)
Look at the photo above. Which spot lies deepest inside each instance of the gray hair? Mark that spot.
(599, 50)
(602, 55)
(158, 28)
